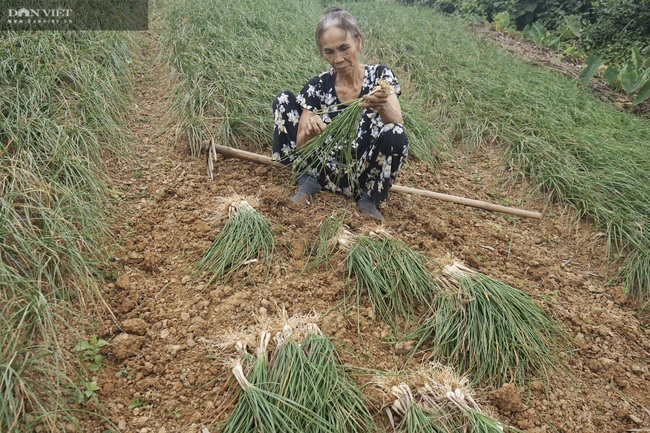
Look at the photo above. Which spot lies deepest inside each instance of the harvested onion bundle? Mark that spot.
(415, 418)
(261, 409)
(335, 142)
(245, 239)
(394, 276)
(324, 246)
(442, 402)
(489, 330)
(342, 403)
(301, 387)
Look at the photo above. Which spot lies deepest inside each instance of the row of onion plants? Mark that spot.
(61, 107)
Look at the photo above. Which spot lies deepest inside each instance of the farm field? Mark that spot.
(163, 371)
(171, 213)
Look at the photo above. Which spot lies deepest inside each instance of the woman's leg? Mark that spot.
(380, 163)
(286, 114)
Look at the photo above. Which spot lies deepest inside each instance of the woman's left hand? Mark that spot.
(375, 101)
(387, 106)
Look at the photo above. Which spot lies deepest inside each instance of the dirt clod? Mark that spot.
(124, 346)
(507, 399)
(123, 282)
(134, 326)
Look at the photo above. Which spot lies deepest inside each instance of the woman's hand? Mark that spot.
(376, 101)
(314, 125)
(310, 126)
(386, 104)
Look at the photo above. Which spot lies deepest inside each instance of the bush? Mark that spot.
(553, 15)
(616, 26)
(607, 27)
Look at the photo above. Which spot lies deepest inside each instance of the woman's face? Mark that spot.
(340, 50)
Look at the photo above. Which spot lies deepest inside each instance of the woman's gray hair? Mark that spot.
(336, 17)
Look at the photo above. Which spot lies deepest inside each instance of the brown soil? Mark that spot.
(171, 212)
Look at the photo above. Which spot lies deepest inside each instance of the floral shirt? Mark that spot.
(319, 93)
(379, 148)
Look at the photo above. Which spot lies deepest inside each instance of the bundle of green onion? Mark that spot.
(303, 387)
(394, 276)
(290, 368)
(444, 388)
(261, 410)
(489, 330)
(342, 402)
(335, 142)
(246, 238)
(415, 418)
(324, 246)
(259, 374)
(443, 403)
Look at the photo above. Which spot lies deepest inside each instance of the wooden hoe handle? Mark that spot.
(262, 159)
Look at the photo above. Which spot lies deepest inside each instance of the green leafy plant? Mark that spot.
(90, 352)
(561, 39)
(615, 27)
(139, 403)
(633, 76)
(573, 26)
(124, 373)
(174, 414)
(536, 32)
(83, 392)
(502, 22)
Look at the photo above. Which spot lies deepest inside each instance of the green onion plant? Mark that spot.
(246, 238)
(394, 277)
(489, 330)
(62, 104)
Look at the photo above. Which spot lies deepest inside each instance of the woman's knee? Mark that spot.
(393, 136)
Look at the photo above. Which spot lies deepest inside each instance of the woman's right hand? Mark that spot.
(314, 125)
(310, 126)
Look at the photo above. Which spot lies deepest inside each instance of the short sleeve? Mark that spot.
(311, 96)
(386, 74)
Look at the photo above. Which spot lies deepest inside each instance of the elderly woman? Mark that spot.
(381, 144)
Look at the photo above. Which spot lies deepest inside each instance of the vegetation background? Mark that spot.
(610, 32)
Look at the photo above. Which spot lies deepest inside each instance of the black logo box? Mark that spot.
(33, 15)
